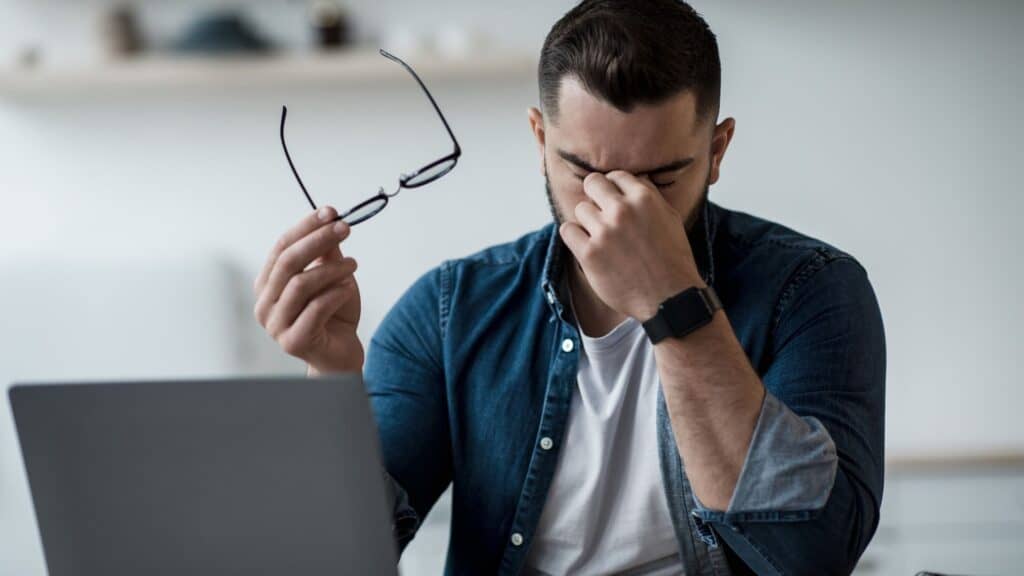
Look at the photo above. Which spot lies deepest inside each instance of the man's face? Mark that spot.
(667, 144)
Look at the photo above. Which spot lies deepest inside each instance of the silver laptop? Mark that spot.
(247, 476)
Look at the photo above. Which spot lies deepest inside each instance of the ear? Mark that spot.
(536, 119)
(720, 140)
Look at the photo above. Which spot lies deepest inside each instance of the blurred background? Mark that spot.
(142, 184)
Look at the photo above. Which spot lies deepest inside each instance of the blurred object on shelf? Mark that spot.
(452, 40)
(222, 33)
(120, 29)
(456, 40)
(402, 39)
(331, 25)
(28, 57)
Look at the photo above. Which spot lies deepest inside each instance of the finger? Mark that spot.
(314, 317)
(305, 287)
(574, 236)
(310, 222)
(297, 257)
(602, 191)
(282, 272)
(333, 255)
(628, 184)
(589, 216)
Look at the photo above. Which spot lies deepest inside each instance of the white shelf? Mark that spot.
(190, 73)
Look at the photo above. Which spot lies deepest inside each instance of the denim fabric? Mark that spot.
(475, 365)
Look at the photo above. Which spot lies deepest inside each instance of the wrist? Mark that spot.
(340, 359)
(683, 313)
(653, 305)
(320, 369)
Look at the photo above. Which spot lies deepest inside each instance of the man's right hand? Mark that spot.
(307, 298)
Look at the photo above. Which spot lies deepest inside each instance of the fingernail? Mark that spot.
(339, 227)
(324, 214)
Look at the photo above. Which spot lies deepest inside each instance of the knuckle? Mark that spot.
(586, 251)
(316, 307)
(582, 208)
(332, 271)
(326, 234)
(281, 244)
(301, 282)
(640, 202)
(291, 344)
(289, 259)
(618, 213)
(273, 329)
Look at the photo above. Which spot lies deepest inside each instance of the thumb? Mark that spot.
(332, 255)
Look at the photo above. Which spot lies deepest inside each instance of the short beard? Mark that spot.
(556, 213)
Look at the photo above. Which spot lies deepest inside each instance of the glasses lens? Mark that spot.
(364, 211)
(430, 174)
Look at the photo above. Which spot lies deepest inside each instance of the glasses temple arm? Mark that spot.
(437, 108)
(284, 115)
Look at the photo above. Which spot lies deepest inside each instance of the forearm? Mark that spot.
(809, 488)
(713, 398)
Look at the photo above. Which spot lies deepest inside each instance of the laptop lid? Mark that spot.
(243, 476)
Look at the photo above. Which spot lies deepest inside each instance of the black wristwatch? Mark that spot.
(683, 313)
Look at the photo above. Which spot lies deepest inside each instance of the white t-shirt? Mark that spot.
(606, 511)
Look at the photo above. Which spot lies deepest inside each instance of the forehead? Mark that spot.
(609, 137)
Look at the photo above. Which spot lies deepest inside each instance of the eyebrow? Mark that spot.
(584, 165)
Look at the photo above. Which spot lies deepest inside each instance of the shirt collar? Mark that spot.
(554, 285)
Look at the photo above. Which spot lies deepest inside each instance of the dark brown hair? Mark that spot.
(630, 52)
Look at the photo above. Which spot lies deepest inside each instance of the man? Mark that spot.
(651, 384)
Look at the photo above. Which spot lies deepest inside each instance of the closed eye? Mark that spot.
(582, 177)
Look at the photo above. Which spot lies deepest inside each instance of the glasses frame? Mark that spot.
(405, 180)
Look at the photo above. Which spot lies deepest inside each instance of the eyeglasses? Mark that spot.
(425, 175)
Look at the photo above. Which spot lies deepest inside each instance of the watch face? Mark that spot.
(683, 313)
(688, 311)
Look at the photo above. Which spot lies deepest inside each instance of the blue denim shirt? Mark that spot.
(473, 367)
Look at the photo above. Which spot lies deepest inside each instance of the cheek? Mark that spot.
(687, 190)
(693, 181)
(567, 191)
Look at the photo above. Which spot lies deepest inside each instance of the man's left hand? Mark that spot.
(631, 244)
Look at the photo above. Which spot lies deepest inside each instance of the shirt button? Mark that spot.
(517, 539)
(546, 443)
(567, 345)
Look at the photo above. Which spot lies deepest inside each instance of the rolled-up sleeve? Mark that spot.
(809, 492)
(790, 465)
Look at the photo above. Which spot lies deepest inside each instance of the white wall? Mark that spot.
(888, 129)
